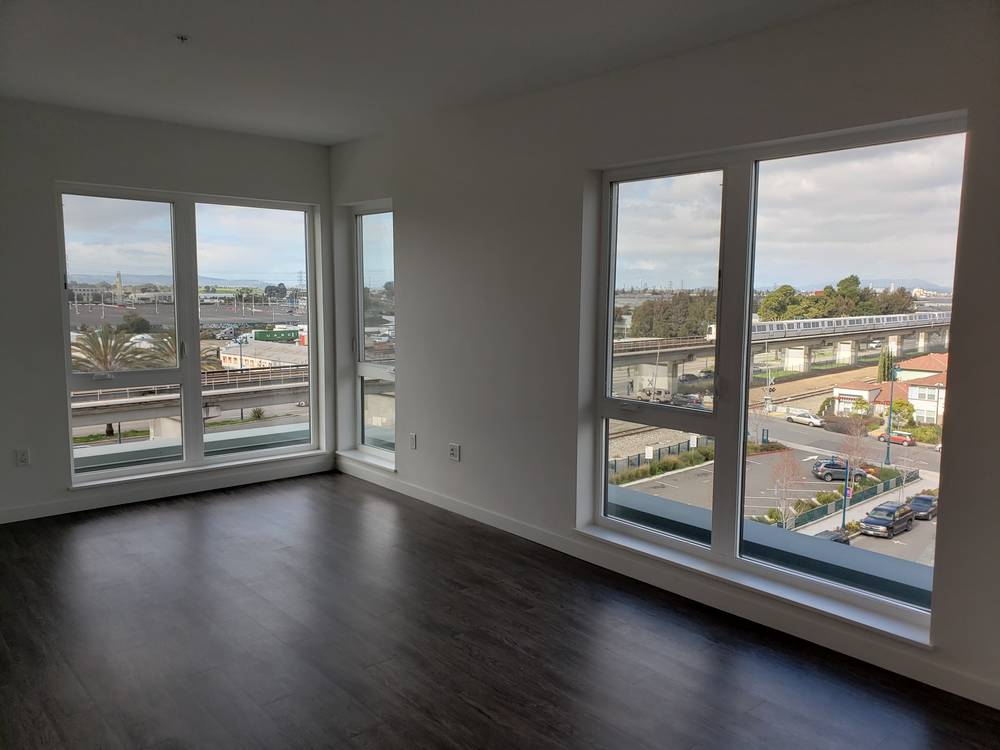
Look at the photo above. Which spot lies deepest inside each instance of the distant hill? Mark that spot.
(139, 278)
(908, 283)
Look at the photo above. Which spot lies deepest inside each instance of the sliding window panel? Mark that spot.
(119, 285)
(853, 266)
(665, 278)
(254, 312)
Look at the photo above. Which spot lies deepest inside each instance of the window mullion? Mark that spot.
(188, 327)
(734, 289)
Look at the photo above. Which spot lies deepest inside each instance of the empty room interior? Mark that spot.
(561, 374)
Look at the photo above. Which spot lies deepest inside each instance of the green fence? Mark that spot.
(638, 459)
(858, 497)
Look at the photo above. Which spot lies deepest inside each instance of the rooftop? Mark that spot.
(930, 362)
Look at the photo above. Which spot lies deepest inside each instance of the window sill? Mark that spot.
(895, 620)
(202, 468)
(387, 463)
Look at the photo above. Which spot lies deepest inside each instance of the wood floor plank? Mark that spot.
(326, 612)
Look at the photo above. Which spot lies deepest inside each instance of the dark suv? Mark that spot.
(925, 507)
(829, 469)
(888, 519)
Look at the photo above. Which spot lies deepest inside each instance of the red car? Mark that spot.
(898, 438)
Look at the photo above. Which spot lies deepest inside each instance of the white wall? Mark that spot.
(40, 145)
(495, 227)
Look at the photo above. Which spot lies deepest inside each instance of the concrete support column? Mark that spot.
(895, 344)
(675, 368)
(165, 427)
(846, 352)
(946, 333)
(798, 358)
(923, 341)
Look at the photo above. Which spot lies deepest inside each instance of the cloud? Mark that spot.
(888, 211)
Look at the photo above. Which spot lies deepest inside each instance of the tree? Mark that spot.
(845, 299)
(105, 350)
(785, 474)
(164, 354)
(683, 313)
(886, 362)
(902, 414)
(860, 408)
(133, 323)
(775, 304)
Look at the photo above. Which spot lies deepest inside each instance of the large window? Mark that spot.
(819, 277)
(663, 290)
(376, 332)
(187, 330)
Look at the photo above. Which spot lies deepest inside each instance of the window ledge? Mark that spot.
(201, 468)
(369, 459)
(898, 621)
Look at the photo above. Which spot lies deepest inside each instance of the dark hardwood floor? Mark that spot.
(326, 612)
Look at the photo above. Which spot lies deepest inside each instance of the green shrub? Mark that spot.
(853, 527)
(827, 496)
(256, 413)
(927, 433)
(707, 452)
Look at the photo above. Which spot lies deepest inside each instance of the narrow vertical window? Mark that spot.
(376, 332)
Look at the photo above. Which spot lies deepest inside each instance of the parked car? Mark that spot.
(888, 519)
(686, 399)
(835, 535)
(801, 416)
(687, 378)
(829, 469)
(656, 396)
(925, 507)
(898, 438)
(706, 373)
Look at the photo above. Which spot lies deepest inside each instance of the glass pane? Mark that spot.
(120, 283)
(666, 265)
(114, 428)
(378, 293)
(660, 479)
(378, 426)
(853, 269)
(253, 289)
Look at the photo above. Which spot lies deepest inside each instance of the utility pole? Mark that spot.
(889, 430)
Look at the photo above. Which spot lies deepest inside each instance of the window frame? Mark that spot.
(364, 369)
(187, 374)
(728, 421)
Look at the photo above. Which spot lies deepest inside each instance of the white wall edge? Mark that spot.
(882, 650)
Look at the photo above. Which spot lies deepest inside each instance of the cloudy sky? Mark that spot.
(376, 240)
(882, 212)
(106, 235)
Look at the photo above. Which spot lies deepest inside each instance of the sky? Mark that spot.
(107, 235)
(377, 250)
(881, 212)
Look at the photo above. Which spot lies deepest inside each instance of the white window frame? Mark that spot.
(362, 368)
(187, 374)
(727, 422)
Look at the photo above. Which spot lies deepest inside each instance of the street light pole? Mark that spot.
(888, 431)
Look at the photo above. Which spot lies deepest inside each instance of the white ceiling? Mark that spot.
(330, 70)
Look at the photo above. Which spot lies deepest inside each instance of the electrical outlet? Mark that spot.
(413, 441)
(454, 451)
(22, 457)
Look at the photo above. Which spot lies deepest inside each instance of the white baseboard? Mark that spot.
(866, 645)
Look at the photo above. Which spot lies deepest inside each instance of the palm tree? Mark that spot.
(164, 353)
(104, 350)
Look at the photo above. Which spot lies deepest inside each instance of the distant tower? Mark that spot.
(119, 287)
(302, 279)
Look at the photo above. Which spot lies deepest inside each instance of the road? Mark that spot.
(694, 486)
(163, 314)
